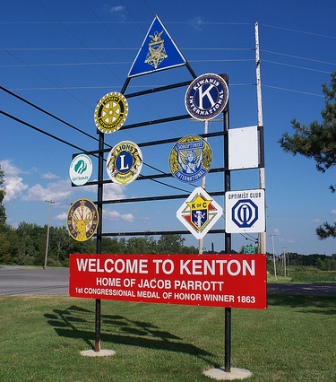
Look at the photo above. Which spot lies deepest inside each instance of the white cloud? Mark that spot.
(117, 8)
(115, 215)
(13, 184)
(14, 187)
(333, 211)
(49, 175)
(113, 191)
(117, 11)
(61, 216)
(9, 169)
(56, 191)
(197, 23)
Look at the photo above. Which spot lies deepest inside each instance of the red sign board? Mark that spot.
(231, 281)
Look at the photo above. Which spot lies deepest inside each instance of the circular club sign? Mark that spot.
(190, 159)
(111, 112)
(80, 170)
(206, 96)
(124, 162)
(82, 220)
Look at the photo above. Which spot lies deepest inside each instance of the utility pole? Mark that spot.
(206, 130)
(272, 236)
(50, 202)
(200, 241)
(284, 261)
(262, 235)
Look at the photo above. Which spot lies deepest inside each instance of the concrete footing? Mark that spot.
(101, 353)
(221, 375)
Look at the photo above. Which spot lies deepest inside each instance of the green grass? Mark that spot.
(294, 340)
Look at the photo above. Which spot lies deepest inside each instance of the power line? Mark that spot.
(298, 31)
(296, 66)
(41, 131)
(62, 140)
(48, 113)
(291, 90)
(298, 57)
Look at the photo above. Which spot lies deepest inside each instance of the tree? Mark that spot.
(2, 196)
(4, 228)
(317, 141)
(172, 243)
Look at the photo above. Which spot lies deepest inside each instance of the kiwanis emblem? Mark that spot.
(199, 212)
(206, 96)
(82, 220)
(111, 112)
(124, 162)
(156, 50)
(190, 159)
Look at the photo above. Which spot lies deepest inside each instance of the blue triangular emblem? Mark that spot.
(158, 51)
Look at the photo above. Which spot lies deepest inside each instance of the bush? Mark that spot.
(316, 277)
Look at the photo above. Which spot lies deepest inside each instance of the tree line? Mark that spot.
(26, 245)
(322, 262)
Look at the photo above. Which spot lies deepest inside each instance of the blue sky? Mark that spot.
(63, 56)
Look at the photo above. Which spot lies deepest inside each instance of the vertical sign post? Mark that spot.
(227, 236)
(99, 231)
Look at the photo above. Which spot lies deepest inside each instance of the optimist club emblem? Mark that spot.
(199, 212)
(111, 112)
(190, 159)
(82, 220)
(206, 96)
(124, 162)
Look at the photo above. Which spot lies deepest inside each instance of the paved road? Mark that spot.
(16, 280)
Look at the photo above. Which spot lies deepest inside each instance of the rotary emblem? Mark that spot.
(124, 162)
(190, 159)
(156, 50)
(111, 112)
(82, 220)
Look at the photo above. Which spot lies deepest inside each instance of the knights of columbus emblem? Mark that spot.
(156, 50)
(199, 212)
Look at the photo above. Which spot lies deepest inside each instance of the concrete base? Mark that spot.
(221, 375)
(101, 353)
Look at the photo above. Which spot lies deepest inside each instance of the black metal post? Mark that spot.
(99, 231)
(227, 236)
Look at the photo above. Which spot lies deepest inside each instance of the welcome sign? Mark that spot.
(237, 281)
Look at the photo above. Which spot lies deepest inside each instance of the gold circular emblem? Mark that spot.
(124, 162)
(82, 219)
(190, 159)
(111, 112)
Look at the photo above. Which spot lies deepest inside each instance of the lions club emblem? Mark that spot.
(124, 162)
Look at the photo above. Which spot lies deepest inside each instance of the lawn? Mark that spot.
(293, 340)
